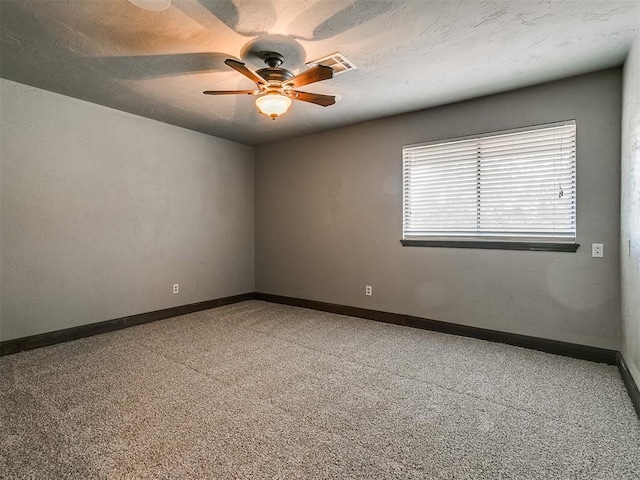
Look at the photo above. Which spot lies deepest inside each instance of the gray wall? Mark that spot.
(102, 211)
(630, 212)
(328, 221)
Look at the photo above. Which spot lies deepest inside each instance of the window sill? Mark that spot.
(530, 246)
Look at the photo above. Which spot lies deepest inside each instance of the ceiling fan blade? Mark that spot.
(231, 92)
(314, 74)
(242, 68)
(317, 98)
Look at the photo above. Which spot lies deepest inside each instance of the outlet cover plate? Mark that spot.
(597, 250)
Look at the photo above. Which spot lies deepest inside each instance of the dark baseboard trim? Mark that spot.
(583, 352)
(632, 387)
(573, 350)
(50, 338)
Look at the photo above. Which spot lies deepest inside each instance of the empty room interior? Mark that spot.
(320, 239)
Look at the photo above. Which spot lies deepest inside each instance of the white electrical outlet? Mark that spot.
(597, 250)
(368, 291)
(176, 288)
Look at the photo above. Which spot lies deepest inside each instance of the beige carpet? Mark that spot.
(263, 391)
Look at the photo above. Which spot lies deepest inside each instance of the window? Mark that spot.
(514, 190)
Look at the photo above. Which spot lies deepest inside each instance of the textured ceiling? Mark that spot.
(410, 54)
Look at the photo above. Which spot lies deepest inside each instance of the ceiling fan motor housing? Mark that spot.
(274, 73)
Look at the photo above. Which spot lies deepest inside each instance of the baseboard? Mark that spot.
(550, 346)
(573, 350)
(50, 338)
(632, 387)
(583, 352)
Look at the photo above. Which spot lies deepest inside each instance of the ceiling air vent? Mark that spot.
(337, 61)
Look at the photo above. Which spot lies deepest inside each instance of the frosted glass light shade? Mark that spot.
(273, 104)
(153, 5)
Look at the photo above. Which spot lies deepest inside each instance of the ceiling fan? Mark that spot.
(276, 85)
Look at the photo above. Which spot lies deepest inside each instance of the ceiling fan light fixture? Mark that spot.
(277, 86)
(273, 104)
(152, 5)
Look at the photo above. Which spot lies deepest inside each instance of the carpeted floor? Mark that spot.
(263, 391)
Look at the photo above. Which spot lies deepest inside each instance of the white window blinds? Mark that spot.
(506, 186)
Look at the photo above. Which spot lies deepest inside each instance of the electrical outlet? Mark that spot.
(597, 250)
(368, 291)
(176, 288)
